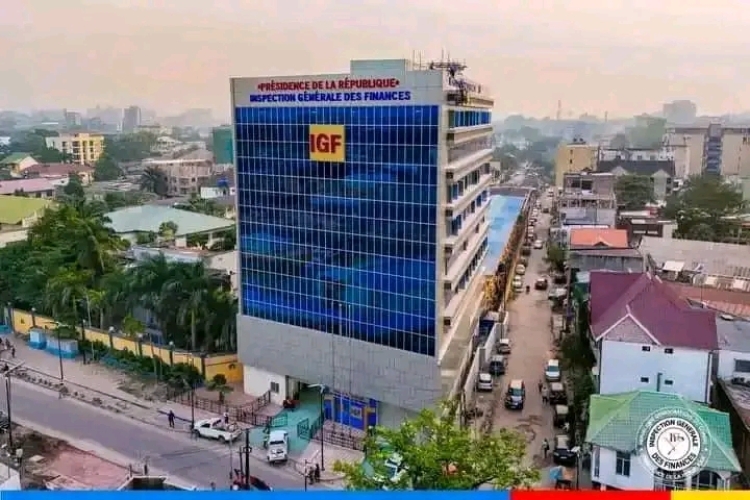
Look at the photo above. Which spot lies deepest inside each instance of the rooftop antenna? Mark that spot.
(420, 59)
(558, 115)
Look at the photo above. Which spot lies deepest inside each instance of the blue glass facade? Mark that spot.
(345, 248)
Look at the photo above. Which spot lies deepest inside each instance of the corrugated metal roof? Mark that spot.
(145, 218)
(702, 257)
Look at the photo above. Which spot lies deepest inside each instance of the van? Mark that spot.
(484, 382)
(278, 447)
(497, 365)
(560, 415)
(557, 394)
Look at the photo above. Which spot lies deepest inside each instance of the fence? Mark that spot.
(207, 365)
(315, 431)
(246, 413)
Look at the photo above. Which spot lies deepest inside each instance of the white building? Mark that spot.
(645, 337)
(383, 362)
(617, 458)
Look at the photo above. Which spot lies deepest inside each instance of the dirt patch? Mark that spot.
(145, 389)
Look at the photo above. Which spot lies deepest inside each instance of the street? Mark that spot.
(191, 462)
(531, 338)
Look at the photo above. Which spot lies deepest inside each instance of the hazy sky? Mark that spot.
(615, 55)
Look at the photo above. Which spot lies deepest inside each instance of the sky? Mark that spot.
(615, 56)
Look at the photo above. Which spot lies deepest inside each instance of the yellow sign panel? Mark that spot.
(327, 143)
(708, 495)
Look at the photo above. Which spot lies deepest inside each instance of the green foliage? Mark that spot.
(71, 262)
(555, 258)
(121, 200)
(129, 147)
(197, 240)
(227, 241)
(168, 230)
(131, 326)
(438, 454)
(648, 133)
(704, 208)
(634, 191)
(219, 379)
(201, 206)
(33, 142)
(74, 187)
(153, 181)
(106, 168)
(145, 238)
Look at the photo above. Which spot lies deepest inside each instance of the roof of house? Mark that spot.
(615, 422)
(58, 168)
(733, 333)
(14, 158)
(637, 167)
(599, 237)
(732, 302)
(145, 218)
(25, 185)
(702, 257)
(645, 305)
(13, 209)
(225, 201)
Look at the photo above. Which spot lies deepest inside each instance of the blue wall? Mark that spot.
(345, 248)
(503, 213)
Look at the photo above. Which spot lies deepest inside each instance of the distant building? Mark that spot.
(574, 157)
(33, 188)
(131, 119)
(661, 172)
(72, 119)
(587, 199)
(58, 173)
(84, 148)
(183, 177)
(218, 186)
(16, 163)
(223, 146)
(681, 112)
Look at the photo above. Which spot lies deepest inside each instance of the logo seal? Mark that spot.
(674, 444)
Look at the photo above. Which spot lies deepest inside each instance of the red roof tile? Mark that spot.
(667, 317)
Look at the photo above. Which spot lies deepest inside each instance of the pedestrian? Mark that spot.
(540, 385)
(545, 447)
(545, 395)
(213, 486)
(12, 351)
(170, 417)
(145, 469)
(226, 417)
(317, 473)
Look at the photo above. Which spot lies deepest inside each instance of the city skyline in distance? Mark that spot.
(621, 58)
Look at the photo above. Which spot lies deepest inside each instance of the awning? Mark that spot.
(673, 266)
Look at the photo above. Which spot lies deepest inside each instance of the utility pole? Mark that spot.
(10, 420)
(247, 459)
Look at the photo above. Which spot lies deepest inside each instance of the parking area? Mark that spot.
(531, 337)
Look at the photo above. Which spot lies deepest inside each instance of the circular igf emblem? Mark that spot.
(674, 444)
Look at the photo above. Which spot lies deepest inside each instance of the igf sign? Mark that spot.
(327, 143)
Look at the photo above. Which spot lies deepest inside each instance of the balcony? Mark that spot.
(459, 135)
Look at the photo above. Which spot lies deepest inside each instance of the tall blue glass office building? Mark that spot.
(340, 197)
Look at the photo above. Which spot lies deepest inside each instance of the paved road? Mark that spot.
(125, 440)
(531, 338)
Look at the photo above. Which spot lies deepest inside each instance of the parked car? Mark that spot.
(538, 244)
(552, 370)
(517, 283)
(560, 415)
(503, 346)
(557, 394)
(520, 269)
(515, 396)
(497, 365)
(541, 284)
(278, 447)
(545, 210)
(562, 453)
(484, 382)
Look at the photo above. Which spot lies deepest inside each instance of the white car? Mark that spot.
(278, 447)
(214, 428)
(520, 269)
(484, 382)
(517, 283)
(538, 244)
(552, 370)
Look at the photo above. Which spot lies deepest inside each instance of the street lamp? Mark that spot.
(59, 354)
(83, 337)
(322, 389)
(33, 317)
(192, 400)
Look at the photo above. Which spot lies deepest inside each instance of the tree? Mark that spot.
(168, 230)
(131, 327)
(120, 200)
(130, 147)
(197, 240)
(106, 169)
(438, 454)
(705, 208)
(555, 258)
(64, 293)
(33, 142)
(619, 141)
(633, 191)
(74, 187)
(145, 238)
(153, 181)
(648, 133)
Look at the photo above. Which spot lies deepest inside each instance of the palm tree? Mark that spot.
(153, 180)
(192, 285)
(168, 230)
(146, 287)
(96, 243)
(131, 327)
(64, 293)
(96, 300)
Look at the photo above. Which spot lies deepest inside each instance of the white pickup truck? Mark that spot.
(214, 428)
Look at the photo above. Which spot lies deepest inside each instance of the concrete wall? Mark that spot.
(400, 378)
(225, 364)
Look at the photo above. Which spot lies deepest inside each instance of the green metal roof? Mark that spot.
(616, 419)
(13, 209)
(14, 158)
(148, 218)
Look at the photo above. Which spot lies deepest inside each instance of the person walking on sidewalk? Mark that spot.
(170, 418)
(540, 385)
(317, 473)
(545, 395)
(226, 417)
(545, 447)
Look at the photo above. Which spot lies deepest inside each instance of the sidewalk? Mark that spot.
(95, 384)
